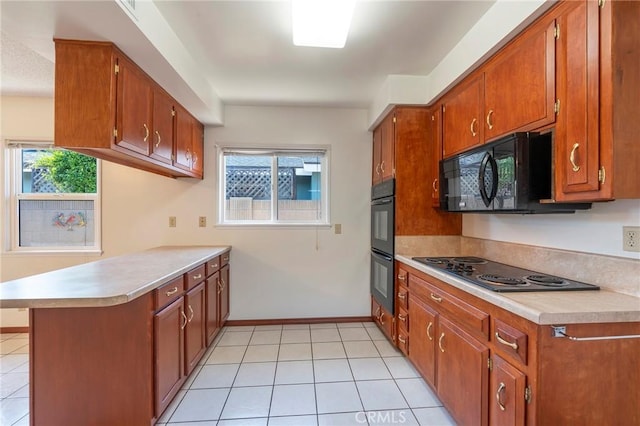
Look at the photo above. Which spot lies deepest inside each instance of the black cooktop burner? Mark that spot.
(548, 280)
(470, 259)
(500, 277)
(500, 280)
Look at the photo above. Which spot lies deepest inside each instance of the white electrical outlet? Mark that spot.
(631, 238)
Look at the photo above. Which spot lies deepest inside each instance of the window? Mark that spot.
(55, 203)
(274, 186)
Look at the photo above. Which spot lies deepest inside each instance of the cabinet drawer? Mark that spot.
(403, 342)
(168, 292)
(509, 340)
(224, 258)
(402, 277)
(402, 297)
(195, 276)
(460, 310)
(212, 265)
(403, 320)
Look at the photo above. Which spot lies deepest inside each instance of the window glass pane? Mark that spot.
(248, 187)
(56, 223)
(299, 191)
(56, 170)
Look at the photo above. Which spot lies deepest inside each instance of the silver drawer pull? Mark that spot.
(402, 277)
(513, 345)
(197, 277)
(436, 298)
(402, 295)
(403, 341)
(172, 291)
(402, 317)
(215, 265)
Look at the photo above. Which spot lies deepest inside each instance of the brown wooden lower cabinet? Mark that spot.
(122, 364)
(490, 366)
(462, 373)
(168, 326)
(507, 394)
(195, 340)
(384, 319)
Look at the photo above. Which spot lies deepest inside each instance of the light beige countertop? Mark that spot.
(107, 282)
(551, 307)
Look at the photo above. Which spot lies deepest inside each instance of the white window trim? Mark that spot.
(271, 150)
(14, 195)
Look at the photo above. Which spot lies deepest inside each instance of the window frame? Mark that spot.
(13, 149)
(274, 152)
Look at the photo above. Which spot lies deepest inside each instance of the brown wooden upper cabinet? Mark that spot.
(383, 150)
(513, 91)
(596, 150)
(109, 108)
(406, 147)
(189, 147)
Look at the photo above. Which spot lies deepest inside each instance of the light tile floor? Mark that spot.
(298, 375)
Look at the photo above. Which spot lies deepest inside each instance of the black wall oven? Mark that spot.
(382, 242)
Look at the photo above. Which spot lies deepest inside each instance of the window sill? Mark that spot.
(96, 253)
(266, 225)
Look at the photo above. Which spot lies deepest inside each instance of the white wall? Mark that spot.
(281, 272)
(276, 273)
(598, 230)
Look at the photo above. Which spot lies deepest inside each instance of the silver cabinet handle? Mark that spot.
(159, 139)
(501, 388)
(440, 343)
(146, 132)
(436, 298)
(403, 341)
(572, 157)
(184, 317)
(197, 277)
(172, 291)
(513, 345)
(402, 296)
(191, 313)
(429, 327)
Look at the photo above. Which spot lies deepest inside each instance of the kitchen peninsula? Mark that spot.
(112, 341)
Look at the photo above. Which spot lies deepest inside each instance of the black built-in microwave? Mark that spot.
(510, 175)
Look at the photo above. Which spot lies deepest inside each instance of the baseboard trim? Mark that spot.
(14, 329)
(284, 321)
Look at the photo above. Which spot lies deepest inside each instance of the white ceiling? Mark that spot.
(240, 50)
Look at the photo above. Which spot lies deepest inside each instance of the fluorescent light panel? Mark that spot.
(321, 23)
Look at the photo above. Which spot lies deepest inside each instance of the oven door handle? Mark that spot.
(385, 257)
(381, 202)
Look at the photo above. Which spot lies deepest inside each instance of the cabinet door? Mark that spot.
(133, 108)
(435, 153)
(506, 394)
(197, 156)
(195, 343)
(211, 294)
(223, 297)
(519, 84)
(577, 133)
(168, 325)
(462, 374)
(184, 139)
(462, 118)
(422, 335)
(162, 135)
(376, 176)
(387, 152)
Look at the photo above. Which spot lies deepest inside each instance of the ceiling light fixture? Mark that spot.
(321, 23)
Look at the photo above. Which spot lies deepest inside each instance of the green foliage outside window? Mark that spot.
(70, 171)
